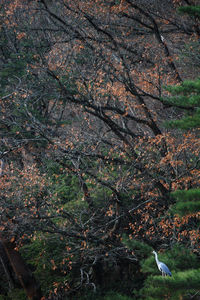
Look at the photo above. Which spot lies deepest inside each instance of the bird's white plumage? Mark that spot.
(161, 266)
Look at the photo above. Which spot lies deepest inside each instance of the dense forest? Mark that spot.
(99, 149)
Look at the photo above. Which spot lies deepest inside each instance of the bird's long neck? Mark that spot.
(156, 257)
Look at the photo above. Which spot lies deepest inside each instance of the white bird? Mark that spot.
(161, 266)
(162, 38)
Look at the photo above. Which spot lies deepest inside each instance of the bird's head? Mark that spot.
(154, 252)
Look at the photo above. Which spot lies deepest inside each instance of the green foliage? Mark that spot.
(186, 201)
(67, 188)
(190, 10)
(185, 96)
(100, 195)
(111, 295)
(187, 122)
(151, 291)
(183, 264)
(178, 258)
(140, 249)
(44, 254)
(116, 296)
(189, 279)
(64, 186)
(189, 88)
(16, 294)
(179, 285)
(15, 66)
(185, 275)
